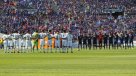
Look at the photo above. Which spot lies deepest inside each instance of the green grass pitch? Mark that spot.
(80, 63)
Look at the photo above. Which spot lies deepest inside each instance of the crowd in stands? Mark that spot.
(75, 15)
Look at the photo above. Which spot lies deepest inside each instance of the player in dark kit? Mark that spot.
(94, 41)
(116, 37)
(80, 40)
(90, 41)
(121, 40)
(110, 40)
(100, 39)
(131, 40)
(85, 41)
(126, 40)
(105, 40)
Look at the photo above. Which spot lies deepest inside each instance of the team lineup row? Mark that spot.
(20, 43)
(114, 40)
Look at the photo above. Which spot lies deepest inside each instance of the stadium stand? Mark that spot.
(74, 15)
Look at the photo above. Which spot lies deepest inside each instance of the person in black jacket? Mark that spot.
(116, 37)
(90, 41)
(131, 40)
(105, 40)
(126, 39)
(110, 40)
(121, 40)
(80, 40)
(94, 41)
(85, 41)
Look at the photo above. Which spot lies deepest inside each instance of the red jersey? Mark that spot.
(100, 37)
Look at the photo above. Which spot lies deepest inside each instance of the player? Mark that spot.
(49, 42)
(10, 42)
(121, 40)
(16, 37)
(35, 37)
(57, 42)
(111, 37)
(89, 41)
(94, 41)
(85, 39)
(5, 43)
(131, 40)
(1, 44)
(100, 39)
(105, 40)
(69, 41)
(28, 41)
(126, 40)
(80, 40)
(42, 41)
(116, 37)
(64, 41)
(23, 43)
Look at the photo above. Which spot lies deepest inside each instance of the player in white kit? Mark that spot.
(5, 43)
(57, 41)
(49, 42)
(69, 41)
(16, 41)
(22, 43)
(10, 43)
(64, 41)
(42, 40)
(28, 44)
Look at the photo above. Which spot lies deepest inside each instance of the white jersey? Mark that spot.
(10, 40)
(49, 36)
(42, 35)
(5, 37)
(16, 36)
(52, 35)
(57, 36)
(69, 40)
(64, 35)
(5, 42)
(28, 36)
(22, 42)
(10, 37)
(28, 40)
(64, 39)
(69, 37)
(57, 42)
(49, 39)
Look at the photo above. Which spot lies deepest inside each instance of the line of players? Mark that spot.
(21, 43)
(106, 40)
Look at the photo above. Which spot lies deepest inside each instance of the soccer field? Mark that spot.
(80, 63)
